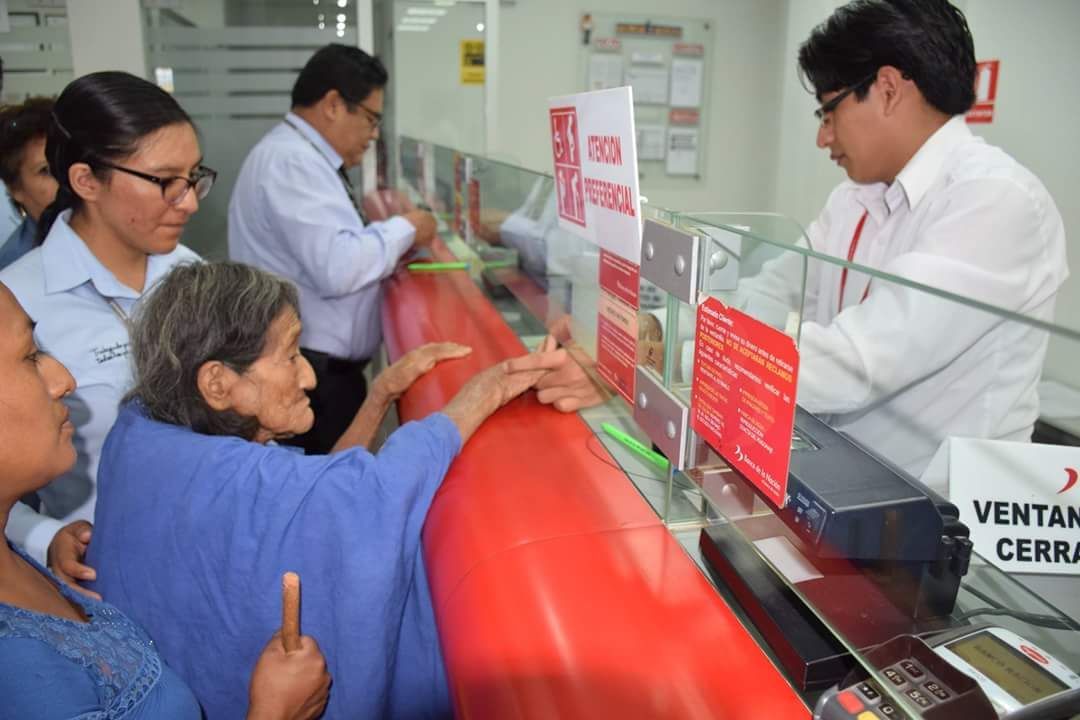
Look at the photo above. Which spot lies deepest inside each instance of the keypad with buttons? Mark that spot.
(887, 710)
(936, 690)
(895, 677)
(912, 670)
(918, 698)
(869, 693)
(865, 700)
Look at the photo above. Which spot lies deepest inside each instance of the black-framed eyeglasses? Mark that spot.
(828, 107)
(175, 188)
(373, 117)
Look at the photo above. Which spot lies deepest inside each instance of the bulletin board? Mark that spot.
(667, 62)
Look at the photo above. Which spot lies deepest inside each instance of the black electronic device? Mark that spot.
(846, 503)
(889, 551)
(976, 673)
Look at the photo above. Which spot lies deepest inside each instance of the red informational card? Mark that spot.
(474, 206)
(743, 395)
(616, 329)
(459, 200)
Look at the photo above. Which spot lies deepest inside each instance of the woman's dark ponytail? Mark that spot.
(64, 200)
(101, 117)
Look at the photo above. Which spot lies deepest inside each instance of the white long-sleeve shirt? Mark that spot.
(903, 369)
(291, 214)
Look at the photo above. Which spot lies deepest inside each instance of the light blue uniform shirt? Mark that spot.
(290, 214)
(9, 216)
(20, 242)
(66, 291)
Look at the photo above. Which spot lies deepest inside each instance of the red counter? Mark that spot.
(558, 591)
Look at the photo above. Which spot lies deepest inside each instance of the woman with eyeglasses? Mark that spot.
(129, 172)
(25, 172)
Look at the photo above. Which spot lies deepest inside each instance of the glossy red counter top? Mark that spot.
(558, 591)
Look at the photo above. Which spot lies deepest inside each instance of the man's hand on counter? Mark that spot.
(425, 225)
(564, 383)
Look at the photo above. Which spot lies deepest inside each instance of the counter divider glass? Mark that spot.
(901, 401)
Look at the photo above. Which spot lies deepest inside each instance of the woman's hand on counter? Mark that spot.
(399, 377)
(486, 392)
(389, 385)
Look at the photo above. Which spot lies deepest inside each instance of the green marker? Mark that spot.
(653, 457)
(434, 266)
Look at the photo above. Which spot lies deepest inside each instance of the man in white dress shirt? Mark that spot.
(900, 370)
(293, 212)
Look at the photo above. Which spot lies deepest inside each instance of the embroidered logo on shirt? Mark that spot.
(103, 355)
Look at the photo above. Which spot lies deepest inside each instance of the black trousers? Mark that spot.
(339, 393)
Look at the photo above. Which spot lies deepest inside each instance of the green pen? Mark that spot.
(653, 457)
(431, 267)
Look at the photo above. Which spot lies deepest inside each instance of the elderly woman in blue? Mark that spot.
(127, 162)
(62, 654)
(197, 504)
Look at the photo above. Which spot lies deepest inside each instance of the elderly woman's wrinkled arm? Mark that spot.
(564, 383)
(485, 393)
(389, 385)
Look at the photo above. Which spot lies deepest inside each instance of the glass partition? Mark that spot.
(36, 49)
(944, 389)
(232, 66)
(902, 382)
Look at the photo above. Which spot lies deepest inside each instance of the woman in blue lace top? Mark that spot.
(63, 654)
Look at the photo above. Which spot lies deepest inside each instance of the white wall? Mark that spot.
(1035, 121)
(804, 175)
(430, 102)
(106, 36)
(540, 57)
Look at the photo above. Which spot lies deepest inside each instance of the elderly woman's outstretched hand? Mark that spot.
(485, 393)
(565, 384)
(396, 379)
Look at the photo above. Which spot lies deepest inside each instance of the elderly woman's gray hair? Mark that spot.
(197, 313)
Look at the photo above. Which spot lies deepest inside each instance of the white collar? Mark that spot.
(925, 165)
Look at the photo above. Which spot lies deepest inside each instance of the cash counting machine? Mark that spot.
(885, 553)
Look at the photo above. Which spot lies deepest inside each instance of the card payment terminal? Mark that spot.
(975, 673)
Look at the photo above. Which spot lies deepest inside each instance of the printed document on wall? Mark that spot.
(682, 151)
(650, 142)
(605, 71)
(650, 85)
(686, 78)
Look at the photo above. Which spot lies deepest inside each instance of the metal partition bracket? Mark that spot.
(663, 417)
(669, 260)
(721, 250)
